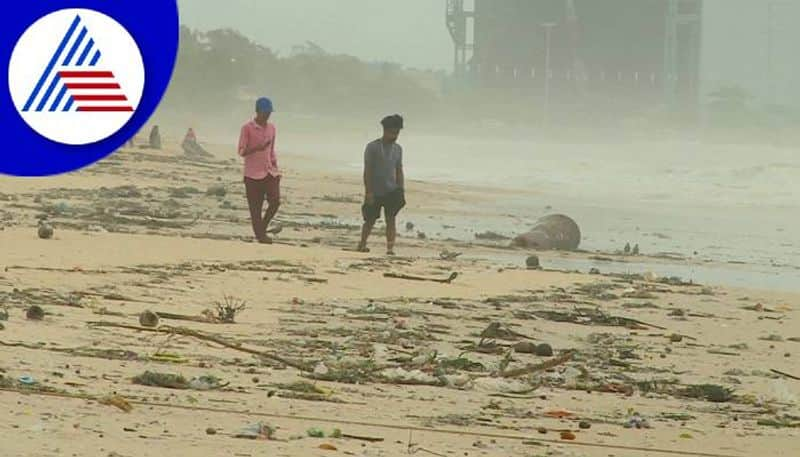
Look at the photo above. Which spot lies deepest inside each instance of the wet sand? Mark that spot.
(374, 356)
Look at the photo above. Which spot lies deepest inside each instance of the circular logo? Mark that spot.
(88, 76)
(84, 77)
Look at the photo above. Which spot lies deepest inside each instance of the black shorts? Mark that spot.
(391, 203)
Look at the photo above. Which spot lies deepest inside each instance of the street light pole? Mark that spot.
(548, 27)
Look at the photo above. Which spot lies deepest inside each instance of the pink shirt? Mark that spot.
(263, 163)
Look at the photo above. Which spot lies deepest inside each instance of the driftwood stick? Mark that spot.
(450, 279)
(533, 368)
(183, 317)
(636, 321)
(167, 330)
(796, 378)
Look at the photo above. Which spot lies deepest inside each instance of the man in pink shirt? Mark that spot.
(261, 175)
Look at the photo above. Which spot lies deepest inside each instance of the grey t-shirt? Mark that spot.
(382, 161)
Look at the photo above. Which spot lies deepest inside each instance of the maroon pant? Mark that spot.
(257, 191)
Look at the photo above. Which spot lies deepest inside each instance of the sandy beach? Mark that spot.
(346, 345)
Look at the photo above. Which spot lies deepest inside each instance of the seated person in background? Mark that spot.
(155, 138)
(191, 146)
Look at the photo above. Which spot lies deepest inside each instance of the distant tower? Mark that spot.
(458, 22)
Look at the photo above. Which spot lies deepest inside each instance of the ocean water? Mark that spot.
(729, 204)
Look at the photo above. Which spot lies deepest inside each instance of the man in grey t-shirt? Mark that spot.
(383, 182)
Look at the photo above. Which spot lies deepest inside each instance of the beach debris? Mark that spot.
(216, 190)
(796, 378)
(207, 382)
(449, 255)
(327, 447)
(675, 338)
(4, 314)
(525, 347)
(315, 432)
(589, 316)
(785, 422)
(409, 226)
(501, 331)
(166, 380)
(448, 280)
(27, 380)
(636, 421)
(559, 414)
(543, 350)
(368, 439)
(211, 431)
(555, 231)
(627, 249)
(148, 319)
(400, 375)
(117, 401)
(45, 230)
(711, 392)
(490, 236)
(34, 313)
(594, 271)
(227, 309)
(584, 425)
(535, 368)
(257, 431)
(635, 250)
(299, 365)
(422, 236)
(503, 386)
(532, 262)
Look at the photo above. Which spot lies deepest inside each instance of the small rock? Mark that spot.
(148, 319)
(422, 236)
(544, 350)
(409, 226)
(594, 271)
(45, 231)
(35, 313)
(211, 431)
(569, 436)
(787, 354)
(584, 425)
(675, 338)
(525, 347)
(542, 430)
(532, 262)
(3, 314)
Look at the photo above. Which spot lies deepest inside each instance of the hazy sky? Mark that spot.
(411, 32)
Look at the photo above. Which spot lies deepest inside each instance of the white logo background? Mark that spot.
(35, 49)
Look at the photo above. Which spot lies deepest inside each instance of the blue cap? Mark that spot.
(264, 105)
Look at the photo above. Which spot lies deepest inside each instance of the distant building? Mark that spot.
(619, 54)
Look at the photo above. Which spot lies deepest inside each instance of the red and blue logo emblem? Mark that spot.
(79, 85)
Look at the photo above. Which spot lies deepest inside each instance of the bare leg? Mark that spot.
(391, 234)
(366, 230)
